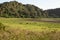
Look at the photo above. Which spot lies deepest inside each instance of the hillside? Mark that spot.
(19, 10)
(14, 9)
(55, 13)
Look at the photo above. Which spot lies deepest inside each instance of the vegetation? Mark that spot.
(29, 29)
(14, 9)
(19, 10)
(54, 12)
(28, 22)
(2, 27)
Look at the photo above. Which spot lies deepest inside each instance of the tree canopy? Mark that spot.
(18, 10)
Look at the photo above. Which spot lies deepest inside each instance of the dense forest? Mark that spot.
(55, 13)
(18, 10)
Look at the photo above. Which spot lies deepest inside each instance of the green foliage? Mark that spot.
(19, 10)
(2, 27)
(55, 13)
(29, 29)
(14, 9)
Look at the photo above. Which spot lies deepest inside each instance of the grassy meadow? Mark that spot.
(29, 28)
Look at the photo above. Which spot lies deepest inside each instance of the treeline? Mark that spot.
(55, 13)
(18, 10)
(15, 9)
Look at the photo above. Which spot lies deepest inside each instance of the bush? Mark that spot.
(2, 27)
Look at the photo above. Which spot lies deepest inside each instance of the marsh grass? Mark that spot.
(23, 29)
(29, 35)
(2, 27)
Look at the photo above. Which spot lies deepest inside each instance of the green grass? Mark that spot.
(29, 29)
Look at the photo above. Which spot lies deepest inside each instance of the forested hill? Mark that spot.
(55, 13)
(14, 9)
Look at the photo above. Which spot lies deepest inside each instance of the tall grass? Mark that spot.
(27, 29)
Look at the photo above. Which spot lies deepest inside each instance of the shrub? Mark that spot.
(2, 27)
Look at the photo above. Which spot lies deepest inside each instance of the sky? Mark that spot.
(43, 4)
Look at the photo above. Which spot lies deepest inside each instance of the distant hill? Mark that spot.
(14, 9)
(55, 13)
(19, 10)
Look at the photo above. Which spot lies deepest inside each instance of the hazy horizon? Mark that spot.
(43, 4)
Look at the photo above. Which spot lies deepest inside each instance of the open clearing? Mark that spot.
(30, 29)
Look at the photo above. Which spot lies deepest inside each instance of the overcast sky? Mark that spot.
(44, 4)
